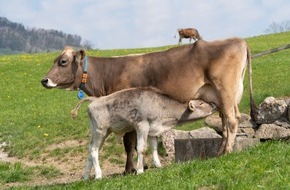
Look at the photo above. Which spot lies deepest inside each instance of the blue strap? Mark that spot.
(81, 93)
(86, 64)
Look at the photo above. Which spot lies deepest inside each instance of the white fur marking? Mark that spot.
(50, 83)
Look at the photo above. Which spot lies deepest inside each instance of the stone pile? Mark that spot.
(273, 122)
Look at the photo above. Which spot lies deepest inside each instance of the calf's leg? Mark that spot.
(99, 134)
(96, 145)
(153, 142)
(142, 130)
(89, 165)
(93, 160)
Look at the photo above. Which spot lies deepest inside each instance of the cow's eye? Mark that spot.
(63, 61)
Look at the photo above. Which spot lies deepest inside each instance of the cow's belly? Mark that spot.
(182, 89)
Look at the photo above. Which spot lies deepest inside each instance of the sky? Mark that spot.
(119, 24)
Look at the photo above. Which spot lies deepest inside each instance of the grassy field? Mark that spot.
(33, 118)
(263, 167)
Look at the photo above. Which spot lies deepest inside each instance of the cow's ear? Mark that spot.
(80, 55)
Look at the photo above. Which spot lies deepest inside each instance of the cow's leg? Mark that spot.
(230, 127)
(129, 141)
(142, 130)
(237, 112)
(224, 134)
(232, 130)
(180, 41)
(153, 141)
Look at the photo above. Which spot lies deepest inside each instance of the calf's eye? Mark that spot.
(63, 61)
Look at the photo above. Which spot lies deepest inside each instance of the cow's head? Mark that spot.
(66, 73)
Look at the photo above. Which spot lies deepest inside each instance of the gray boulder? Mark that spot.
(272, 131)
(271, 109)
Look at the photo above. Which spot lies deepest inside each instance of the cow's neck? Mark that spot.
(92, 86)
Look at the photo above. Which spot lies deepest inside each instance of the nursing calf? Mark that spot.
(146, 111)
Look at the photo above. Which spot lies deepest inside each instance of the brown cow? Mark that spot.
(190, 33)
(212, 71)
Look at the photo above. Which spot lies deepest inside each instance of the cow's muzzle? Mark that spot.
(47, 83)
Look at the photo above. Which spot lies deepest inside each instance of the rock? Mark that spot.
(188, 149)
(272, 131)
(242, 143)
(245, 126)
(169, 136)
(167, 142)
(270, 110)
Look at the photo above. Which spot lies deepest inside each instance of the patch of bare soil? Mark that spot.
(70, 166)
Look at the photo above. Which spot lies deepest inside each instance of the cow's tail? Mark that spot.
(254, 109)
(74, 112)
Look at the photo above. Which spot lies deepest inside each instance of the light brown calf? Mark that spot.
(146, 111)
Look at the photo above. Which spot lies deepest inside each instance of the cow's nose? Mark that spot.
(44, 81)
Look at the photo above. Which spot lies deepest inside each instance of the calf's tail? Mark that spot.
(254, 109)
(74, 112)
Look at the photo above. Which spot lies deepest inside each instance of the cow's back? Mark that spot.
(178, 72)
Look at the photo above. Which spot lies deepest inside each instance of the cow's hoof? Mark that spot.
(131, 171)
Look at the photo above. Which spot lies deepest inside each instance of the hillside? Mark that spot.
(15, 38)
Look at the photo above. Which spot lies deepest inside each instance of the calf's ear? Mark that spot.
(80, 55)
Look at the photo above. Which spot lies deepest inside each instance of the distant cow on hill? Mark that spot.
(190, 33)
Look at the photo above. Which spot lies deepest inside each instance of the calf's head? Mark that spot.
(197, 109)
(66, 73)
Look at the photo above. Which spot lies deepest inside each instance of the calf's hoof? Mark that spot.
(98, 176)
(85, 177)
(140, 171)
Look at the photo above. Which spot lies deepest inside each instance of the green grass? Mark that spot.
(32, 118)
(17, 172)
(263, 167)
